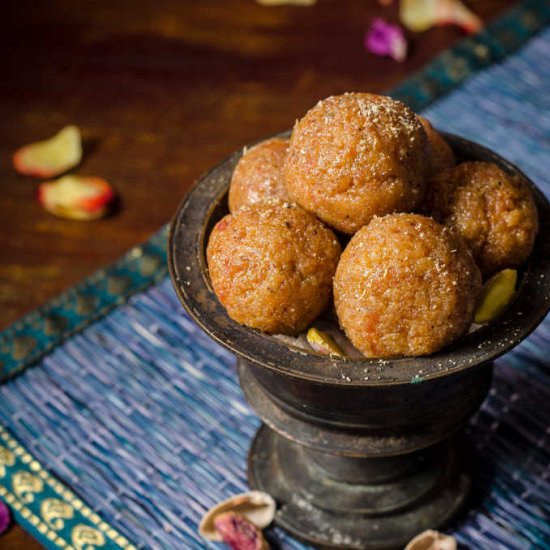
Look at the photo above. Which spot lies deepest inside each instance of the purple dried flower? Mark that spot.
(386, 40)
(5, 519)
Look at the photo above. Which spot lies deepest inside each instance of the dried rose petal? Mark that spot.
(286, 2)
(76, 197)
(255, 506)
(454, 12)
(420, 15)
(432, 540)
(5, 518)
(239, 533)
(386, 40)
(51, 157)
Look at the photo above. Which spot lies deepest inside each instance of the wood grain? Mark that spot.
(162, 90)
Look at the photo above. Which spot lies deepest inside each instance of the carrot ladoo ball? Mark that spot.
(441, 154)
(258, 176)
(405, 285)
(271, 266)
(493, 211)
(355, 156)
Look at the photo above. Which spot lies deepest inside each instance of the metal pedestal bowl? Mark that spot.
(359, 453)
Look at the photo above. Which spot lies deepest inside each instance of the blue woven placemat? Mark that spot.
(140, 414)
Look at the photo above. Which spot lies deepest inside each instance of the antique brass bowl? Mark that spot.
(359, 453)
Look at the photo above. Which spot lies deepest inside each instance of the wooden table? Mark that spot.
(162, 90)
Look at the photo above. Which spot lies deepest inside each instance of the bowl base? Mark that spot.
(328, 513)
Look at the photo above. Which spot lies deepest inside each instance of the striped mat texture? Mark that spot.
(142, 416)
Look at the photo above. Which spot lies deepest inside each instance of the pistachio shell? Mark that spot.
(51, 157)
(239, 533)
(257, 507)
(432, 540)
(322, 342)
(496, 295)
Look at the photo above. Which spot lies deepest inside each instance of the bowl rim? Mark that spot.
(193, 221)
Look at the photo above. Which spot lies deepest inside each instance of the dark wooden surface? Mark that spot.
(162, 90)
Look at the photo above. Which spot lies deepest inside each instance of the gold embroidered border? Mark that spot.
(34, 520)
(66, 495)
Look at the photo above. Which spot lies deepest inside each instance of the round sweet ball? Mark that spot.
(271, 266)
(356, 156)
(441, 154)
(405, 285)
(258, 176)
(493, 211)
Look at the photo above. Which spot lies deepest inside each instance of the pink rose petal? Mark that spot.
(420, 15)
(386, 40)
(50, 157)
(454, 12)
(76, 197)
(286, 2)
(5, 518)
